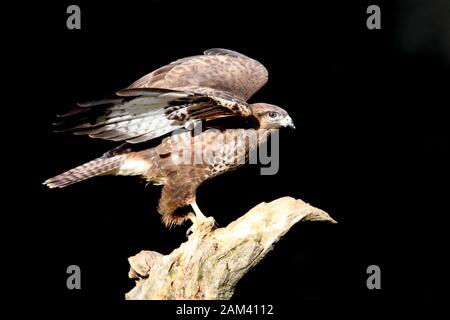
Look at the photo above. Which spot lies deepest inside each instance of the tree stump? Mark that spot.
(211, 262)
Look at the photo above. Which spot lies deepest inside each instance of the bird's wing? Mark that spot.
(220, 70)
(141, 114)
(207, 87)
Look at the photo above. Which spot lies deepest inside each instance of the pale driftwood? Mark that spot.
(213, 260)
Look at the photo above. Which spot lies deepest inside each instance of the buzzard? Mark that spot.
(205, 90)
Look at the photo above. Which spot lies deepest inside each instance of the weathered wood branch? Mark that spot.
(213, 260)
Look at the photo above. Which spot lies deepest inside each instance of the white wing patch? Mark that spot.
(134, 167)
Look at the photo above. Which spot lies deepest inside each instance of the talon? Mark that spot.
(189, 232)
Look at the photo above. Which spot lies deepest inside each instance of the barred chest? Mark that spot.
(231, 149)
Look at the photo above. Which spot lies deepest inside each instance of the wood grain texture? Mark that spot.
(213, 260)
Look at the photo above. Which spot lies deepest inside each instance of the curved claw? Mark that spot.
(189, 232)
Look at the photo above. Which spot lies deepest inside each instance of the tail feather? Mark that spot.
(97, 167)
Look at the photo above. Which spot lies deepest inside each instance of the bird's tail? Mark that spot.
(97, 167)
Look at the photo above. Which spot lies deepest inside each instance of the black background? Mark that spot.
(371, 146)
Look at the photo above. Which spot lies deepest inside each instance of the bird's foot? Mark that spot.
(200, 225)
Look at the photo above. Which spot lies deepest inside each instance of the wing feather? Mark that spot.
(207, 87)
(218, 69)
(143, 114)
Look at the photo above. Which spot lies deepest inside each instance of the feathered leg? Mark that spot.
(179, 191)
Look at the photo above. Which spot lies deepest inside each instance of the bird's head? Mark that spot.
(270, 116)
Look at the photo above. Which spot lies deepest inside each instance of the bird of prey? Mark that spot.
(203, 89)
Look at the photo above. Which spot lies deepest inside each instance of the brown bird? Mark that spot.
(179, 97)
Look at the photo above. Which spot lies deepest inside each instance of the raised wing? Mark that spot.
(139, 115)
(218, 69)
(214, 85)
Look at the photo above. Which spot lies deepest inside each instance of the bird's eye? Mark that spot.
(273, 114)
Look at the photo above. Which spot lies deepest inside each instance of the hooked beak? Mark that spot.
(289, 123)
